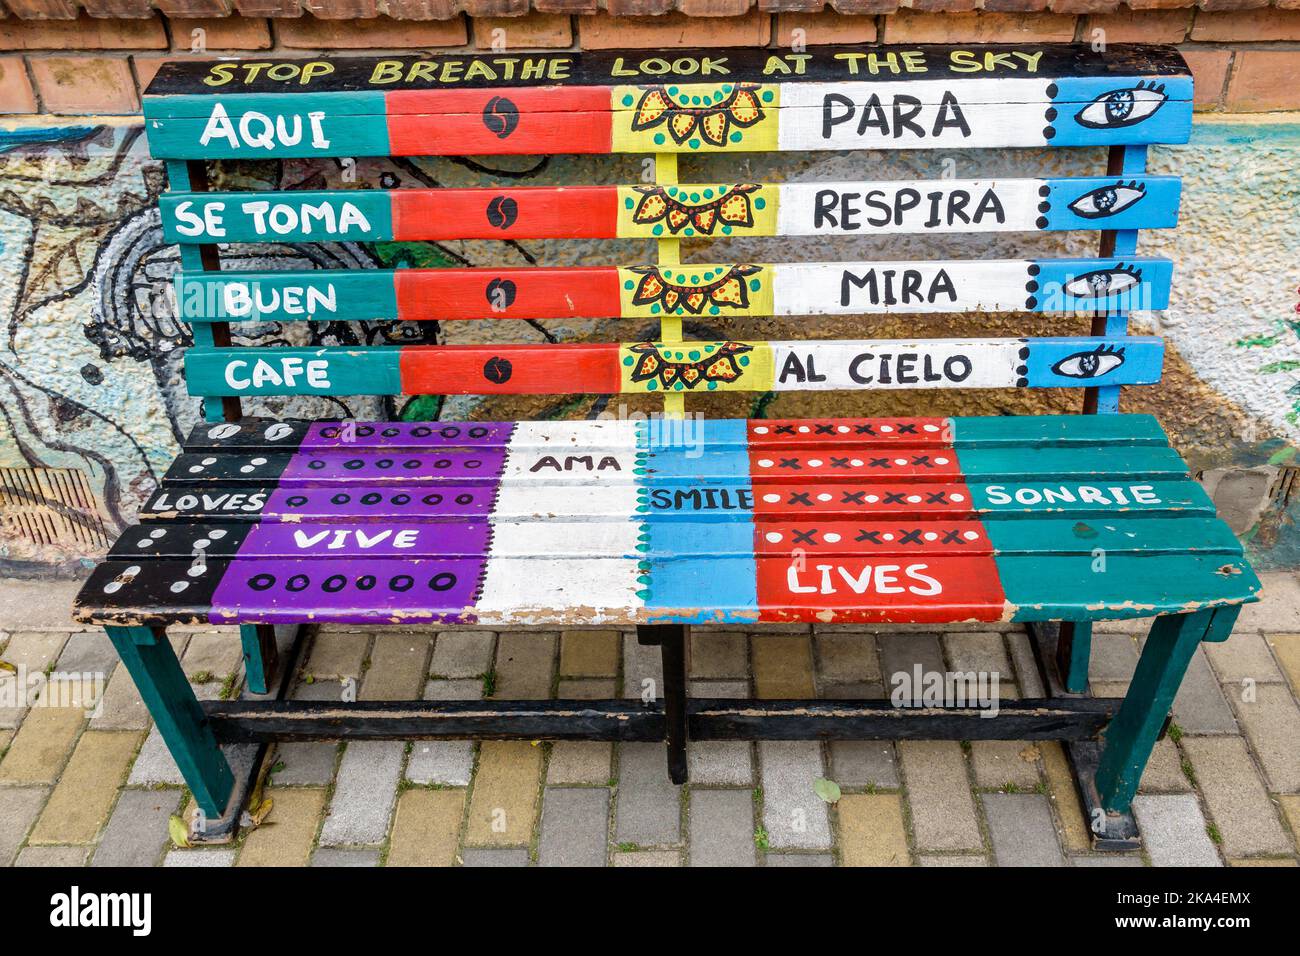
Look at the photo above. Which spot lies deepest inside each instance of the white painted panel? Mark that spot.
(913, 206)
(566, 465)
(889, 363)
(841, 288)
(592, 590)
(532, 501)
(549, 538)
(969, 91)
(586, 434)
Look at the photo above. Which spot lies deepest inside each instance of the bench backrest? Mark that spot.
(668, 104)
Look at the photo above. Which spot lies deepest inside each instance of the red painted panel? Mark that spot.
(510, 369)
(909, 538)
(468, 122)
(833, 432)
(872, 589)
(516, 293)
(853, 464)
(858, 500)
(581, 212)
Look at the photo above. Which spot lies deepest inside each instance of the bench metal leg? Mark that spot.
(260, 655)
(152, 664)
(1073, 648)
(673, 641)
(1132, 734)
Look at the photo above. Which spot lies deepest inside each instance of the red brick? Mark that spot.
(1160, 4)
(1246, 26)
(604, 32)
(231, 33)
(1213, 5)
(195, 9)
(44, 9)
(422, 9)
(1209, 70)
(638, 8)
(381, 32)
(1264, 80)
(85, 84)
(864, 7)
(535, 30)
(908, 27)
(1083, 6)
(342, 9)
(821, 28)
(714, 8)
(566, 6)
(126, 9)
(1139, 26)
(791, 6)
(87, 33)
(943, 6)
(16, 94)
(269, 8)
(1015, 6)
(495, 8)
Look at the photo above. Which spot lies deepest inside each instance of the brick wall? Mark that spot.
(64, 57)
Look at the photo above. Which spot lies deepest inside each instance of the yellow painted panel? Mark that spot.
(695, 117)
(708, 290)
(696, 366)
(693, 211)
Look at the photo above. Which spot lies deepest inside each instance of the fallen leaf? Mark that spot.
(8, 668)
(178, 831)
(828, 790)
(262, 811)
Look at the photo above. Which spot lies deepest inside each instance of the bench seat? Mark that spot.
(882, 520)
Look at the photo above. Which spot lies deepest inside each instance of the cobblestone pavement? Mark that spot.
(1223, 787)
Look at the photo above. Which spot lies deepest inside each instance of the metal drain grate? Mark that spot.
(50, 506)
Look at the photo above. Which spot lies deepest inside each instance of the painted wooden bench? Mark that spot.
(671, 521)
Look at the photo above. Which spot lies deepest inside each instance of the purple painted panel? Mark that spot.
(388, 467)
(323, 436)
(367, 539)
(375, 503)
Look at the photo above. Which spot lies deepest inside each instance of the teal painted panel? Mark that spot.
(352, 215)
(1069, 587)
(990, 430)
(294, 371)
(1103, 464)
(1112, 535)
(1008, 499)
(320, 295)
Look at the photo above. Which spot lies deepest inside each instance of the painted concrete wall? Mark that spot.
(89, 351)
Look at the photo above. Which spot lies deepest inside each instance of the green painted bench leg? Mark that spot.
(1073, 648)
(1132, 735)
(260, 655)
(152, 664)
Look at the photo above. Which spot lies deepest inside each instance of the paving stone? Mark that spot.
(213, 652)
(296, 813)
(328, 689)
(195, 858)
(727, 689)
(1164, 771)
(1258, 861)
(996, 763)
(719, 654)
(1272, 725)
(463, 653)
(900, 652)
(872, 832)
(641, 664)
(502, 857)
(1279, 609)
(648, 858)
(58, 856)
(722, 828)
(364, 793)
(580, 761)
(1107, 860)
(19, 807)
(310, 763)
(1235, 797)
(589, 653)
(978, 651)
(42, 745)
(648, 806)
(847, 658)
(90, 652)
(721, 762)
(1173, 831)
(1021, 829)
(1113, 658)
(397, 667)
(1243, 656)
(503, 806)
(155, 765)
(1286, 648)
(937, 859)
(84, 795)
(329, 857)
(335, 655)
(864, 763)
(121, 707)
(1075, 833)
(939, 795)
(871, 690)
(34, 651)
(798, 859)
(782, 666)
(575, 827)
(1290, 811)
(137, 831)
(449, 762)
(587, 689)
(1028, 677)
(427, 828)
(1199, 707)
(524, 665)
(793, 815)
(1131, 625)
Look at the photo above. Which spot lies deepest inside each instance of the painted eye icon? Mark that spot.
(1091, 364)
(1108, 200)
(1124, 107)
(1103, 283)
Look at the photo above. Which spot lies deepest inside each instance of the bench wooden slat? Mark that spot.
(716, 210)
(701, 367)
(719, 289)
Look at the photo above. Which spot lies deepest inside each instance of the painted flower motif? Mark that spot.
(677, 208)
(689, 364)
(730, 289)
(712, 118)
